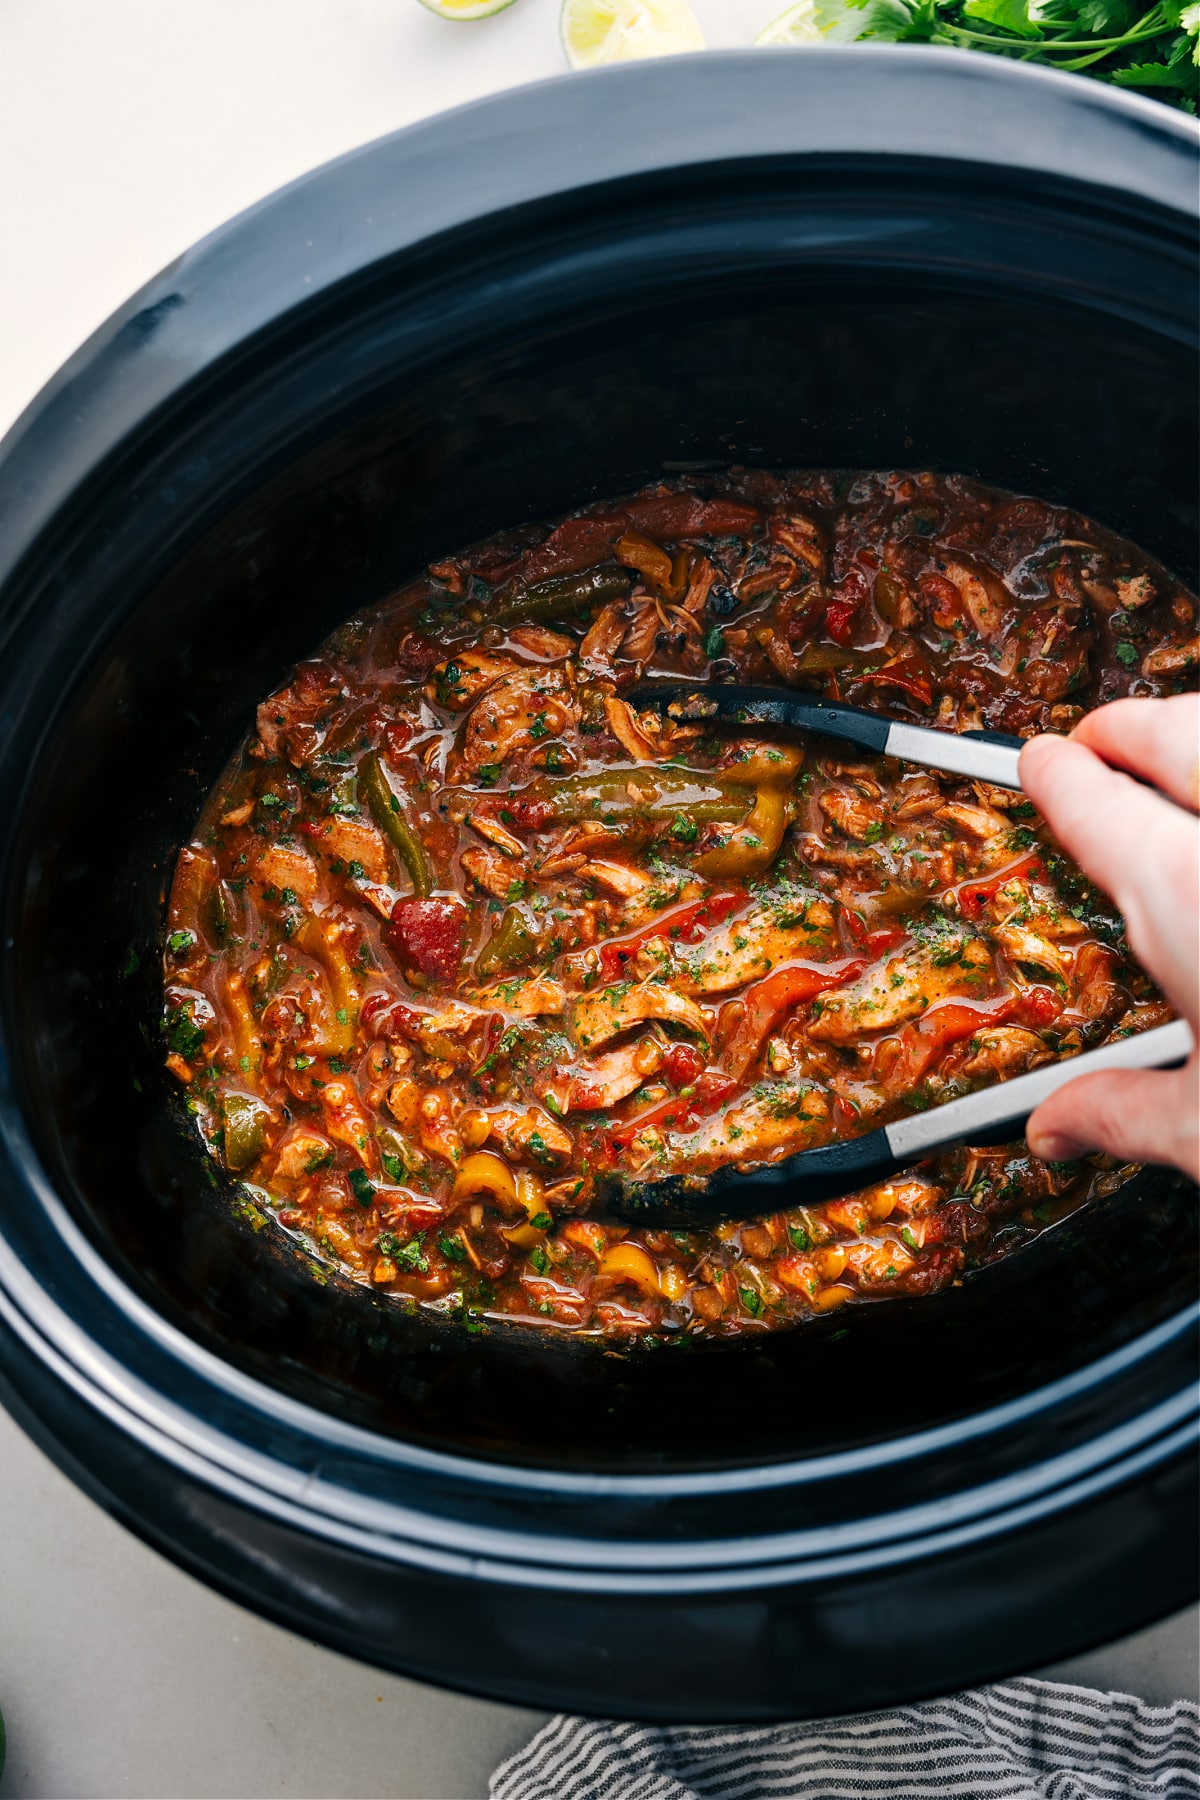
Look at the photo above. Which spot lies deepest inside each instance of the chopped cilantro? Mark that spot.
(180, 941)
(184, 1037)
(364, 1189)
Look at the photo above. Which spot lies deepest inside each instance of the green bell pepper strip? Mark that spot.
(245, 1121)
(510, 946)
(560, 594)
(654, 794)
(389, 815)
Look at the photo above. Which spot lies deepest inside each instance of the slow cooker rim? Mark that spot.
(712, 1564)
(77, 1357)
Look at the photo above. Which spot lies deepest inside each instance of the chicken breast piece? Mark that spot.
(294, 870)
(746, 949)
(1003, 1051)
(598, 1017)
(612, 1076)
(903, 990)
(521, 709)
(533, 997)
(764, 1127)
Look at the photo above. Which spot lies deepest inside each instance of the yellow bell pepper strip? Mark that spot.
(751, 847)
(335, 1034)
(247, 1044)
(650, 560)
(387, 812)
(485, 1173)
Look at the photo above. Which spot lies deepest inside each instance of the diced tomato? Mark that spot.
(528, 815)
(944, 596)
(1035, 1007)
(686, 516)
(416, 654)
(685, 925)
(765, 1003)
(683, 1065)
(383, 1017)
(876, 943)
(973, 895)
(427, 935)
(708, 1094)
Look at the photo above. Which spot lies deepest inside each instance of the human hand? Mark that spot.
(1143, 848)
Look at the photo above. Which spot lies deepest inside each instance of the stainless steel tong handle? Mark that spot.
(1010, 1103)
(992, 1116)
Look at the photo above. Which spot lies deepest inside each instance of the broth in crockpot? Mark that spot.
(460, 929)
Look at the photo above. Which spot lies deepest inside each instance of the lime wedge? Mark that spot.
(798, 25)
(466, 9)
(605, 31)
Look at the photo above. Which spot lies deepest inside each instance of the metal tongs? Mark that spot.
(979, 755)
(992, 1116)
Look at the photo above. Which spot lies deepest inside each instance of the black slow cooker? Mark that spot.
(864, 258)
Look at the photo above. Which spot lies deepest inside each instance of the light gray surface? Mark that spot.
(121, 1676)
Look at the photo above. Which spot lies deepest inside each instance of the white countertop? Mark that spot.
(129, 128)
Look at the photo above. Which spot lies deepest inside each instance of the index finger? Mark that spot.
(1156, 739)
(1114, 828)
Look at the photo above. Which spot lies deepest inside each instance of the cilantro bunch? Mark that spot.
(1122, 41)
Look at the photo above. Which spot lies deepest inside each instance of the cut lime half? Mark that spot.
(466, 9)
(798, 25)
(606, 31)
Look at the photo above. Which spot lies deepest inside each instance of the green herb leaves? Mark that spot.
(1157, 48)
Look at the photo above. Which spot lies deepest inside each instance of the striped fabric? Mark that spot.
(1021, 1740)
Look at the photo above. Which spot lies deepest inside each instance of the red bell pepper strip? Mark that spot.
(875, 943)
(686, 516)
(908, 673)
(705, 1096)
(686, 925)
(844, 607)
(579, 544)
(765, 1003)
(972, 895)
(574, 545)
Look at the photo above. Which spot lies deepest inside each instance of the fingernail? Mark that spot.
(1052, 1146)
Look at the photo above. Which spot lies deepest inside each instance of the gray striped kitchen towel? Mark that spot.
(1020, 1740)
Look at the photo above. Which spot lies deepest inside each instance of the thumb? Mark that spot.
(1142, 1115)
